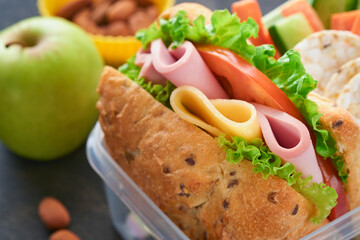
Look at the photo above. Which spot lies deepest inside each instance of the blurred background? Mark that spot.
(24, 183)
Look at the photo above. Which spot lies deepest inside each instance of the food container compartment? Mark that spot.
(135, 216)
(114, 50)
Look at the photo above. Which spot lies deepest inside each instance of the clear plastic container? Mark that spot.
(135, 216)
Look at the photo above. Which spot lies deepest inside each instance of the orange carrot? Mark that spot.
(356, 25)
(344, 20)
(250, 8)
(297, 6)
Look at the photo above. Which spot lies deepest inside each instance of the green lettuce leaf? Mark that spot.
(290, 76)
(267, 163)
(287, 73)
(159, 92)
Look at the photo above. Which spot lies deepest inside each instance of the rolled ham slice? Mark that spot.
(144, 60)
(218, 116)
(290, 139)
(184, 66)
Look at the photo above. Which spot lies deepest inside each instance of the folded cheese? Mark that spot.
(290, 139)
(220, 116)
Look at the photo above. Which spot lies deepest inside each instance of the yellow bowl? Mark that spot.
(114, 50)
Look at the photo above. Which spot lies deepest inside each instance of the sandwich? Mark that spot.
(228, 142)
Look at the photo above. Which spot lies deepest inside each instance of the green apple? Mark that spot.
(49, 71)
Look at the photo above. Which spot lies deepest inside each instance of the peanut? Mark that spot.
(63, 234)
(83, 20)
(53, 213)
(121, 10)
(70, 9)
(118, 28)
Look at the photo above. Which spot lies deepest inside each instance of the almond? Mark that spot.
(121, 10)
(138, 21)
(152, 12)
(84, 21)
(98, 14)
(53, 213)
(70, 9)
(63, 234)
(118, 28)
(143, 3)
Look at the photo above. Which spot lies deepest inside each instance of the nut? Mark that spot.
(84, 21)
(73, 7)
(138, 21)
(118, 28)
(121, 10)
(152, 12)
(63, 234)
(98, 14)
(53, 213)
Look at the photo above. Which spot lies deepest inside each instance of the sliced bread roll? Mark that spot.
(184, 171)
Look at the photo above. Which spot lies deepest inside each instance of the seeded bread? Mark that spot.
(345, 130)
(184, 171)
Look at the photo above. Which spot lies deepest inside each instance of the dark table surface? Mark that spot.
(23, 183)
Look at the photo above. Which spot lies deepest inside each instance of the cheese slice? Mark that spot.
(219, 116)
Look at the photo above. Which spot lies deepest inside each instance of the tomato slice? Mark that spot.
(241, 80)
(331, 178)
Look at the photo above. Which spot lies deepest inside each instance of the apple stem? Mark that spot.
(14, 43)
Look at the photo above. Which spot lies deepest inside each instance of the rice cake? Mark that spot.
(339, 79)
(349, 97)
(323, 53)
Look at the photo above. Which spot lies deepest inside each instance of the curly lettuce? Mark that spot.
(158, 91)
(267, 163)
(287, 73)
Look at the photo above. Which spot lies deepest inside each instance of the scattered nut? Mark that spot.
(63, 234)
(118, 28)
(121, 10)
(72, 7)
(53, 213)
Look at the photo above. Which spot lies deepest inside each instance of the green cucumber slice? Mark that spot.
(272, 17)
(325, 8)
(287, 32)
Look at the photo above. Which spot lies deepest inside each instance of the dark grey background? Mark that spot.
(24, 183)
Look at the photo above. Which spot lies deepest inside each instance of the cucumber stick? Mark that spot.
(287, 32)
(325, 8)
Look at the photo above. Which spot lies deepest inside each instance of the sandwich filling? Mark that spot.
(287, 73)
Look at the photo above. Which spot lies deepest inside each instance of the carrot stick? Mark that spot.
(250, 8)
(356, 25)
(344, 20)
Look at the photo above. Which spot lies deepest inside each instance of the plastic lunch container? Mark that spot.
(135, 216)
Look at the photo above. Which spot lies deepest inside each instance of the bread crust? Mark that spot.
(184, 171)
(345, 130)
(193, 10)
